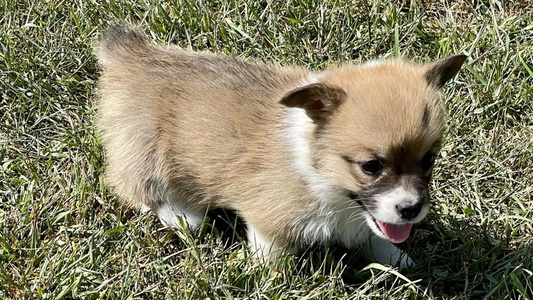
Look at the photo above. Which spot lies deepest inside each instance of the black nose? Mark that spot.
(409, 211)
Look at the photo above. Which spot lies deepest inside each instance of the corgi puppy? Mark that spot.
(344, 155)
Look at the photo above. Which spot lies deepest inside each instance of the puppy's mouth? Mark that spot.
(395, 233)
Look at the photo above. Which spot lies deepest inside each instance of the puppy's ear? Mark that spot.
(318, 99)
(440, 71)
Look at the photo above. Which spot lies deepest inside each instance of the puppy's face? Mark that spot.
(378, 131)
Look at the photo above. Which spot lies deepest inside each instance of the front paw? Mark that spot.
(385, 252)
(404, 261)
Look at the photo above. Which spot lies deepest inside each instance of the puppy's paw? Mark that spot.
(264, 248)
(385, 252)
(405, 261)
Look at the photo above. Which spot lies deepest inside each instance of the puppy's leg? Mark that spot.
(264, 248)
(385, 252)
(169, 211)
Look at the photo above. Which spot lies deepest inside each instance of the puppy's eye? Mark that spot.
(372, 167)
(427, 161)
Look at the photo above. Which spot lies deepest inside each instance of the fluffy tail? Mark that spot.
(121, 42)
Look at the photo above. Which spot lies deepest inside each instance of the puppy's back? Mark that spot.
(169, 115)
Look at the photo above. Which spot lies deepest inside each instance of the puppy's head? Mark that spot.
(378, 129)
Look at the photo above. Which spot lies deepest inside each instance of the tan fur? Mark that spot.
(207, 130)
(383, 115)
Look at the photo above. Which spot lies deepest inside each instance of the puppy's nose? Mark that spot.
(409, 211)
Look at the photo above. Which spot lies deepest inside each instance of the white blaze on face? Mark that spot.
(387, 202)
(386, 221)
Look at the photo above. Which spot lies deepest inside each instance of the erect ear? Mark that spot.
(442, 70)
(318, 99)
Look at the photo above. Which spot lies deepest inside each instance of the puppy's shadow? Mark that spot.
(456, 258)
(316, 259)
(445, 253)
(225, 225)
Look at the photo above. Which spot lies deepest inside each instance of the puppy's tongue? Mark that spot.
(395, 233)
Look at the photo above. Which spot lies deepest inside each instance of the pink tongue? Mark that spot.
(395, 233)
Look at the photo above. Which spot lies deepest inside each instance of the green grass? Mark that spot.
(63, 235)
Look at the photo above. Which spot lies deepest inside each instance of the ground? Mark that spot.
(64, 235)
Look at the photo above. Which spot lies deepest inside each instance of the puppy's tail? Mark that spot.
(121, 42)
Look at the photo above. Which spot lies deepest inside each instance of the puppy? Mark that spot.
(343, 155)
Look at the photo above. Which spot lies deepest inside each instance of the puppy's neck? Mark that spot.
(334, 215)
(297, 133)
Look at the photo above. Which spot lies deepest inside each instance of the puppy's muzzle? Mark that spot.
(409, 211)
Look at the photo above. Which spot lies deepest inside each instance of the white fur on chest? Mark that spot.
(341, 221)
(335, 217)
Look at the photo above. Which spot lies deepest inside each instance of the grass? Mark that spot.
(63, 235)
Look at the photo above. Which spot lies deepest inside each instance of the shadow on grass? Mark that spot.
(461, 259)
(455, 260)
